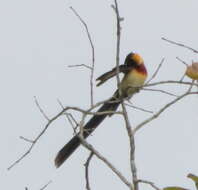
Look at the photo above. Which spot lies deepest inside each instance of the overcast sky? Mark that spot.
(40, 38)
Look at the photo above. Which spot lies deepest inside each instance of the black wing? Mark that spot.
(103, 78)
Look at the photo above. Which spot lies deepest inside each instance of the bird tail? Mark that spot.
(91, 125)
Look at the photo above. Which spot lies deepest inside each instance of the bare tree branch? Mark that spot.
(132, 148)
(181, 45)
(158, 90)
(138, 108)
(25, 139)
(40, 109)
(156, 115)
(50, 121)
(170, 82)
(87, 171)
(182, 61)
(150, 183)
(156, 72)
(93, 53)
(102, 158)
(118, 19)
(69, 117)
(81, 65)
(127, 123)
(45, 186)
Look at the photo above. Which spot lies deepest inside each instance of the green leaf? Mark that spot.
(194, 178)
(174, 188)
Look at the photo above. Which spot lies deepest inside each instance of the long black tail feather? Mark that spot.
(90, 126)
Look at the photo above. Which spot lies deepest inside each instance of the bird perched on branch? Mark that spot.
(135, 74)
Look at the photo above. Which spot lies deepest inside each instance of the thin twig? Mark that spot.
(46, 185)
(66, 114)
(182, 61)
(156, 72)
(40, 109)
(139, 126)
(69, 116)
(138, 108)
(36, 139)
(115, 8)
(72, 118)
(190, 87)
(182, 78)
(149, 183)
(81, 65)
(87, 171)
(170, 82)
(181, 45)
(26, 139)
(162, 91)
(93, 52)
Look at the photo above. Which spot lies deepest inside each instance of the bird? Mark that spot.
(135, 74)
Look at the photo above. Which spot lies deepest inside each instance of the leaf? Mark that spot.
(174, 188)
(194, 178)
(192, 71)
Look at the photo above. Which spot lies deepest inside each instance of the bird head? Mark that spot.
(134, 59)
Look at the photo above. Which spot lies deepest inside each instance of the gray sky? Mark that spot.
(40, 38)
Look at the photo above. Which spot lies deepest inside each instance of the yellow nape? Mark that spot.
(137, 58)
